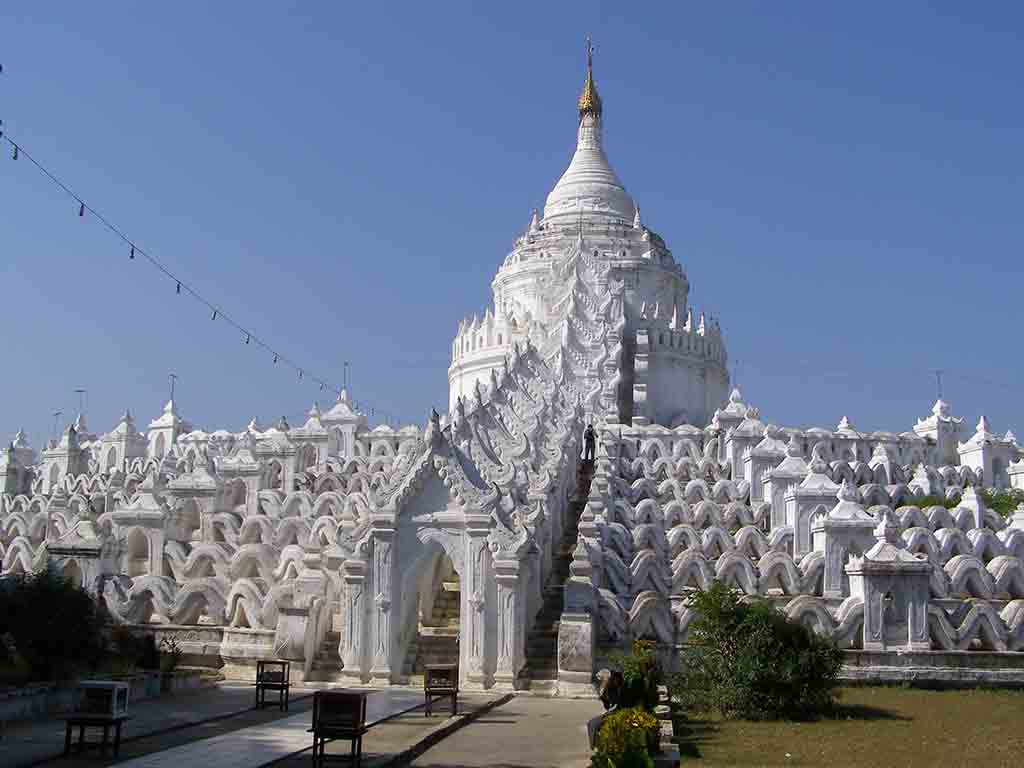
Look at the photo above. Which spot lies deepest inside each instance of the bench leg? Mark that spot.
(454, 706)
(117, 739)
(106, 738)
(67, 740)
(81, 738)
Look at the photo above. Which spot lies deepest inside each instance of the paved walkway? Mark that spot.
(527, 732)
(269, 742)
(30, 742)
(218, 727)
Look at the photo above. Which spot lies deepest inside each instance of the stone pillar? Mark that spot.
(473, 642)
(156, 537)
(383, 580)
(972, 500)
(509, 625)
(296, 635)
(354, 632)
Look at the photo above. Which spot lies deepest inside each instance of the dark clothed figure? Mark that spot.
(589, 439)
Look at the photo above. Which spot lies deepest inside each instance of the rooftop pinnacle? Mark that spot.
(589, 102)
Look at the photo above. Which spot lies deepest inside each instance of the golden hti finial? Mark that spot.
(589, 102)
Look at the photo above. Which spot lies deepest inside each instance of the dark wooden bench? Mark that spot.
(338, 715)
(272, 676)
(440, 680)
(83, 721)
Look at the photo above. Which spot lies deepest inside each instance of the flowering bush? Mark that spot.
(626, 739)
(641, 675)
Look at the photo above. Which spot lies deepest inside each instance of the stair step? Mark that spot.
(541, 669)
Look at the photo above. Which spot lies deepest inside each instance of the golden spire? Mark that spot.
(590, 102)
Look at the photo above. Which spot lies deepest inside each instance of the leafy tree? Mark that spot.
(49, 624)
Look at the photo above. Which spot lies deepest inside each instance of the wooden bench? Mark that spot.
(272, 676)
(440, 680)
(338, 715)
(83, 721)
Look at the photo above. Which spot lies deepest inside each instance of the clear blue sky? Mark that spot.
(842, 184)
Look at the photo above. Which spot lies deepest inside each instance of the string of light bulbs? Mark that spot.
(180, 284)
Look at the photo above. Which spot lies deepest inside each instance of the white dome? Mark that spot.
(589, 186)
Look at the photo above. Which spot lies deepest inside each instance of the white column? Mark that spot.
(509, 626)
(353, 643)
(383, 567)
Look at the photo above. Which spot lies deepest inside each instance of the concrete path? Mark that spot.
(527, 732)
(269, 742)
(397, 741)
(31, 742)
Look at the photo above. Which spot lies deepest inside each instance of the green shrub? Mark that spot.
(1003, 501)
(54, 627)
(626, 739)
(934, 501)
(130, 650)
(641, 675)
(748, 660)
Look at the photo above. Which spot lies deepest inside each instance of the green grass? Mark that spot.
(874, 726)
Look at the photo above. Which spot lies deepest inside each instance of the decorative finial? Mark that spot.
(590, 102)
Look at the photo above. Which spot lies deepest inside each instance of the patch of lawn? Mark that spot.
(873, 726)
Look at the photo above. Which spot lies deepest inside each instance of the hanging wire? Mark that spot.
(17, 151)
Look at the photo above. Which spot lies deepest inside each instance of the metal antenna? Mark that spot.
(81, 400)
(56, 416)
(938, 380)
(345, 385)
(173, 377)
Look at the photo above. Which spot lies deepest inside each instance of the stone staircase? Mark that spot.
(541, 668)
(437, 641)
(327, 663)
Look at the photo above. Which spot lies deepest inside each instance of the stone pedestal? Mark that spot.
(576, 654)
